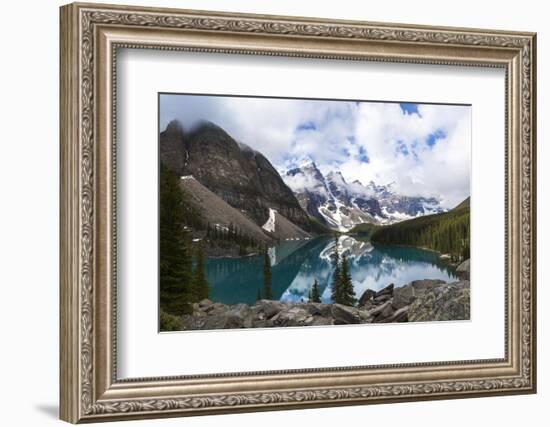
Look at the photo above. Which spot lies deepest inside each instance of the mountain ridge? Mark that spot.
(241, 176)
(344, 205)
(446, 232)
(310, 199)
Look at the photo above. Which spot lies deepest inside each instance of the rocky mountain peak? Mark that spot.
(342, 205)
(174, 128)
(336, 174)
(243, 178)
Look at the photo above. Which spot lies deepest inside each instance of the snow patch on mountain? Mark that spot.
(342, 205)
(270, 223)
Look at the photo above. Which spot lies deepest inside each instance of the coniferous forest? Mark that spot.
(448, 232)
(181, 264)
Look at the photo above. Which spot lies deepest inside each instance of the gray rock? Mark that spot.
(420, 285)
(399, 316)
(318, 309)
(385, 314)
(446, 302)
(432, 301)
(344, 315)
(268, 307)
(379, 309)
(294, 316)
(233, 317)
(322, 321)
(463, 270)
(382, 298)
(369, 305)
(205, 303)
(367, 296)
(388, 290)
(403, 296)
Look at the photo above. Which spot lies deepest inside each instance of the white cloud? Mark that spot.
(442, 170)
(335, 132)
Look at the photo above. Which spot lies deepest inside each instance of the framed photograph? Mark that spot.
(266, 212)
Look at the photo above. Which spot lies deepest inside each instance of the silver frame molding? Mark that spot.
(90, 37)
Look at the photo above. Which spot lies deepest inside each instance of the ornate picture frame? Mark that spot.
(90, 37)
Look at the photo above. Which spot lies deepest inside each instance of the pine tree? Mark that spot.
(315, 294)
(268, 291)
(346, 293)
(448, 232)
(200, 284)
(175, 255)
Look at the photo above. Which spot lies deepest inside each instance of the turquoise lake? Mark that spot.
(296, 264)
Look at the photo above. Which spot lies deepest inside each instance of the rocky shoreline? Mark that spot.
(419, 301)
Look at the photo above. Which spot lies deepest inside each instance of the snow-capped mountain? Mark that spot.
(342, 205)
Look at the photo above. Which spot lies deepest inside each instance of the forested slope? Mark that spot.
(447, 232)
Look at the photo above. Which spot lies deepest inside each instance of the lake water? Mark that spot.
(296, 264)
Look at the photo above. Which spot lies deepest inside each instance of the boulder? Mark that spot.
(448, 302)
(420, 285)
(463, 270)
(207, 306)
(422, 300)
(388, 290)
(379, 309)
(321, 321)
(399, 316)
(381, 299)
(344, 315)
(403, 296)
(369, 305)
(268, 308)
(385, 314)
(365, 315)
(205, 303)
(318, 309)
(233, 317)
(366, 297)
(293, 316)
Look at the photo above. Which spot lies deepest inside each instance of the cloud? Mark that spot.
(424, 149)
(425, 154)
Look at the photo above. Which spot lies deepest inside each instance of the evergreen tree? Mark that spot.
(200, 284)
(175, 255)
(315, 293)
(268, 291)
(346, 294)
(447, 232)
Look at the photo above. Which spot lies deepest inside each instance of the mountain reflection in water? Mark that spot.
(296, 264)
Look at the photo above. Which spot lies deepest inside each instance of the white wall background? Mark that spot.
(29, 170)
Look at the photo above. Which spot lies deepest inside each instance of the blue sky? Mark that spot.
(423, 148)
